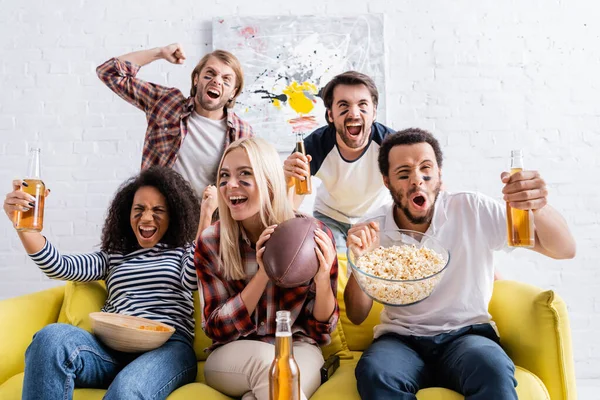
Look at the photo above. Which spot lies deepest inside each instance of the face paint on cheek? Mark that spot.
(244, 183)
(426, 178)
(223, 183)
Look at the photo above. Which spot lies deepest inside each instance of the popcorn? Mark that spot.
(407, 265)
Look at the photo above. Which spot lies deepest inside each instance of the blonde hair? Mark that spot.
(275, 206)
(228, 59)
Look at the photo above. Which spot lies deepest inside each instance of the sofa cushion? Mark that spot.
(342, 385)
(11, 390)
(82, 298)
(358, 337)
(534, 331)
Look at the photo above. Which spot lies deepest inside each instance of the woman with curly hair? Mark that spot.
(146, 259)
(240, 301)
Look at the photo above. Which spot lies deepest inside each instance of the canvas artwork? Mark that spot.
(288, 59)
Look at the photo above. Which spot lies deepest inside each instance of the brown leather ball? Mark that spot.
(289, 258)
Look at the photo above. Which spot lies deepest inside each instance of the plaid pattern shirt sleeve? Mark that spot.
(225, 316)
(238, 128)
(120, 77)
(318, 330)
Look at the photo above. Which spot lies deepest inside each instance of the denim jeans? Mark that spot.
(62, 357)
(469, 361)
(338, 229)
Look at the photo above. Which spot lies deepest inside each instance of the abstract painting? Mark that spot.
(288, 59)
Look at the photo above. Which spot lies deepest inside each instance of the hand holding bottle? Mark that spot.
(19, 201)
(524, 190)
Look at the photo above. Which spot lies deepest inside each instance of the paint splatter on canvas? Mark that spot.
(288, 59)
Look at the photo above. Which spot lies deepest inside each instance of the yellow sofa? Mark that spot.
(533, 325)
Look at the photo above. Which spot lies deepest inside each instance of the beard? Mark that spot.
(399, 200)
(341, 131)
(210, 106)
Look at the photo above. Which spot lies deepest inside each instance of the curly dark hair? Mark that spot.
(407, 137)
(182, 206)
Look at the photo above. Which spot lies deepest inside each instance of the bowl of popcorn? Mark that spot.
(400, 268)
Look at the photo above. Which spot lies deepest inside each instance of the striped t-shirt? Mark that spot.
(155, 283)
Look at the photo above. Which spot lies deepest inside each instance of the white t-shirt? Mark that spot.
(201, 151)
(471, 226)
(349, 189)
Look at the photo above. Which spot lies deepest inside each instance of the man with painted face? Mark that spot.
(449, 339)
(343, 155)
(188, 134)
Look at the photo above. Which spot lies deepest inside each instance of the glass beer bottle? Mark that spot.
(33, 219)
(519, 223)
(284, 375)
(302, 186)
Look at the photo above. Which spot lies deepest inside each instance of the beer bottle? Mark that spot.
(519, 222)
(284, 375)
(33, 219)
(302, 186)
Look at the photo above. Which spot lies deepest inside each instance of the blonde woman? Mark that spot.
(239, 300)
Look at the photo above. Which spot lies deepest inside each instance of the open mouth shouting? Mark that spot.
(147, 232)
(237, 200)
(213, 93)
(419, 201)
(354, 129)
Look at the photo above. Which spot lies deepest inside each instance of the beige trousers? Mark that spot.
(241, 368)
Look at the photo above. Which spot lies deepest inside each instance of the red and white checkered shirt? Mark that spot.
(167, 110)
(225, 316)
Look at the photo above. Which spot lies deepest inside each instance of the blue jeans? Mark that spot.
(469, 361)
(62, 357)
(338, 229)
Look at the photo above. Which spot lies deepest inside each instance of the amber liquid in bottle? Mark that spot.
(33, 219)
(519, 223)
(284, 375)
(302, 186)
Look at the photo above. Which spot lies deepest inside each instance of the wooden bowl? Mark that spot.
(129, 334)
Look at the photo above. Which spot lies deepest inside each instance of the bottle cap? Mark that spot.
(283, 315)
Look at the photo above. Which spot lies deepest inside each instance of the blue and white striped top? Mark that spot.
(155, 283)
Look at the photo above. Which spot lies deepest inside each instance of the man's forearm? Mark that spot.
(553, 234)
(143, 57)
(358, 304)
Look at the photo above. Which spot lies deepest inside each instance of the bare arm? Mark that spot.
(358, 304)
(526, 190)
(324, 296)
(553, 237)
(173, 53)
(361, 238)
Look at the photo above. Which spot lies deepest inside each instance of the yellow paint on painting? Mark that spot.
(297, 98)
(277, 104)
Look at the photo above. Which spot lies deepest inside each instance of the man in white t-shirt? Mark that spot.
(448, 339)
(343, 155)
(188, 134)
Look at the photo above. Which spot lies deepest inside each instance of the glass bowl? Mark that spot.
(400, 268)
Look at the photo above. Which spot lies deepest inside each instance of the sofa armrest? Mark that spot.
(20, 318)
(534, 330)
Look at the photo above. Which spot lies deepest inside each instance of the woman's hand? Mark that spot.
(325, 253)
(209, 200)
(18, 200)
(260, 248)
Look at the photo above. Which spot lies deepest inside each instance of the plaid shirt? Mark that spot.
(226, 318)
(167, 110)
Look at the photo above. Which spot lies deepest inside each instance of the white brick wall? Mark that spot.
(485, 76)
